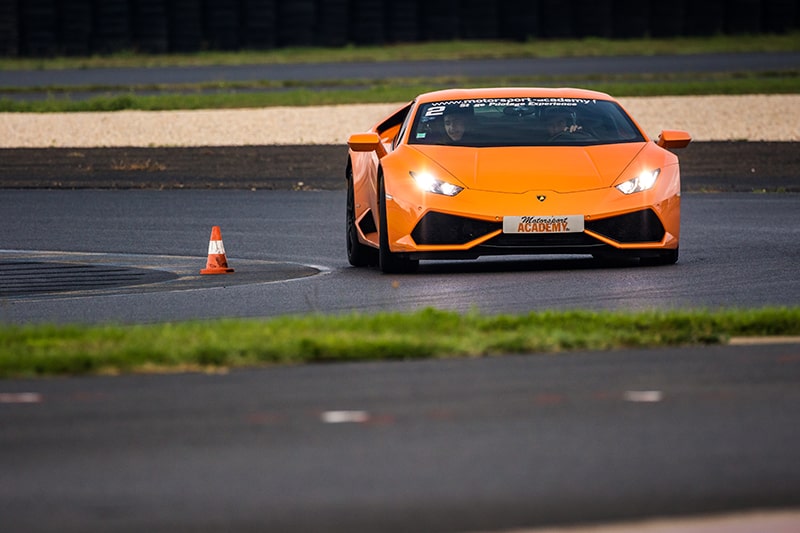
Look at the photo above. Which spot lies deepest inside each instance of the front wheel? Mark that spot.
(390, 263)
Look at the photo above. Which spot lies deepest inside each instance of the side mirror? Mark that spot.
(674, 139)
(366, 142)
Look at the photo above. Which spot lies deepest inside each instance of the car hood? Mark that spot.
(529, 168)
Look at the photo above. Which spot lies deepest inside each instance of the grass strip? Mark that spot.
(440, 50)
(389, 91)
(46, 350)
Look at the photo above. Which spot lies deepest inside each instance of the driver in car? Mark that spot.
(456, 120)
(560, 121)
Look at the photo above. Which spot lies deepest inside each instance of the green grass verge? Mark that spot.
(265, 93)
(443, 50)
(252, 95)
(188, 346)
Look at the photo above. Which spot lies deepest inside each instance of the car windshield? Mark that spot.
(522, 121)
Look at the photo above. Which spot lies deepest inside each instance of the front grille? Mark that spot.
(439, 228)
(640, 226)
(540, 240)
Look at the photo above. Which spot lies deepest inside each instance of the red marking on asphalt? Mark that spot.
(793, 358)
(381, 420)
(262, 419)
(548, 398)
(89, 396)
(441, 414)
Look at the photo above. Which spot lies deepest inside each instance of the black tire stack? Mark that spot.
(259, 24)
(366, 22)
(296, 22)
(479, 19)
(440, 20)
(667, 18)
(332, 24)
(84, 27)
(556, 19)
(38, 27)
(111, 26)
(780, 16)
(402, 22)
(75, 27)
(149, 25)
(743, 16)
(519, 22)
(185, 25)
(9, 28)
(591, 18)
(705, 18)
(222, 24)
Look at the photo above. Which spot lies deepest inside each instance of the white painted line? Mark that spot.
(643, 396)
(20, 397)
(344, 417)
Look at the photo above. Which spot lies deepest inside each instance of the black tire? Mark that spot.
(389, 262)
(359, 255)
(667, 257)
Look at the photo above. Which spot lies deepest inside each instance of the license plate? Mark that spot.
(543, 224)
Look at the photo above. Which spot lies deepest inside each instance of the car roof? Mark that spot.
(512, 92)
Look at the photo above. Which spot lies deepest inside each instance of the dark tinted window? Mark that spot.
(522, 121)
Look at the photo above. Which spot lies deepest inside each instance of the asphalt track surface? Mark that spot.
(486, 444)
(738, 249)
(724, 166)
(478, 445)
(445, 446)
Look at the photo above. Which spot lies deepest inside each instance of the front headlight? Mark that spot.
(428, 183)
(642, 182)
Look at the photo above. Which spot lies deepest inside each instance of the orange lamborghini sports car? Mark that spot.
(463, 173)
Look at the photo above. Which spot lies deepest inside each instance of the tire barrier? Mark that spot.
(296, 22)
(743, 16)
(149, 26)
(592, 18)
(556, 20)
(185, 25)
(259, 24)
(38, 28)
(9, 28)
(111, 26)
(402, 22)
(367, 22)
(75, 28)
(630, 19)
(332, 23)
(440, 20)
(479, 20)
(222, 24)
(519, 22)
(703, 18)
(780, 16)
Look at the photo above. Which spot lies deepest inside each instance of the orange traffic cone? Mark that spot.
(217, 262)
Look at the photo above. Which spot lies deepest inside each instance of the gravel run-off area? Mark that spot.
(706, 118)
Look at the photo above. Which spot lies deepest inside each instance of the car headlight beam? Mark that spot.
(643, 182)
(428, 183)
